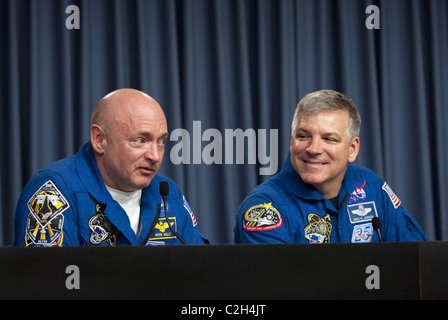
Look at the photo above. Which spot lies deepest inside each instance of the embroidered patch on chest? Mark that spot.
(319, 228)
(362, 212)
(262, 217)
(102, 229)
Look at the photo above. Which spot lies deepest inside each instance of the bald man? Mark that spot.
(108, 193)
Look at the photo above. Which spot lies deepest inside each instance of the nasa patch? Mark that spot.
(262, 217)
(362, 212)
(359, 194)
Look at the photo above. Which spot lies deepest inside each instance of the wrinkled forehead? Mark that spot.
(335, 116)
(325, 122)
(139, 117)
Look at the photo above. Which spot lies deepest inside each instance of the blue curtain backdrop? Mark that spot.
(229, 64)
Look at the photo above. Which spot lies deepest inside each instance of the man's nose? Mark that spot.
(153, 152)
(315, 146)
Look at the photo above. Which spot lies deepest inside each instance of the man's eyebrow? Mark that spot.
(329, 133)
(150, 134)
(165, 135)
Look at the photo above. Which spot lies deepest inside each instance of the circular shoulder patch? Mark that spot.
(262, 217)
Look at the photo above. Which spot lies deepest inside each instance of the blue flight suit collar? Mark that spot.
(91, 178)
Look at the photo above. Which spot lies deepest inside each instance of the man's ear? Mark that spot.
(353, 150)
(97, 138)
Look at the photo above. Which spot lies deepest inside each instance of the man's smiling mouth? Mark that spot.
(313, 163)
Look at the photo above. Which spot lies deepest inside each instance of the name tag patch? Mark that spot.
(361, 212)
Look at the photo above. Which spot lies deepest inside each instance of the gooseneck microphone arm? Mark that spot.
(164, 189)
(376, 223)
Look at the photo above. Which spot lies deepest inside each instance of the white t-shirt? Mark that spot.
(130, 202)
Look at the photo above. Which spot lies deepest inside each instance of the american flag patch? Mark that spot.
(393, 197)
(187, 207)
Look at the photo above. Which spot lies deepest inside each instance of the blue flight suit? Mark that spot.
(284, 209)
(67, 204)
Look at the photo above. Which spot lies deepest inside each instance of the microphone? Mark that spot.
(164, 189)
(376, 223)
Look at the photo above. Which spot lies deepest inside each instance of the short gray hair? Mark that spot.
(328, 100)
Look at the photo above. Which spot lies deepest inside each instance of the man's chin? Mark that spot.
(312, 179)
(142, 183)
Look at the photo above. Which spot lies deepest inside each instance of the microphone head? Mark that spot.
(376, 223)
(164, 188)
